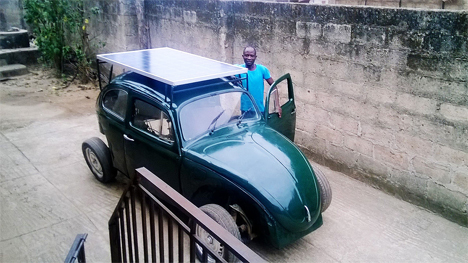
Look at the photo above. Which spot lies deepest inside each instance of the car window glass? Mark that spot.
(282, 88)
(116, 102)
(152, 120)
(215, 111)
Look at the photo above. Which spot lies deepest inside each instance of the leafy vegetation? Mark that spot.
(60, 31)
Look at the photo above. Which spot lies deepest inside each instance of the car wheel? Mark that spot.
(224, 219)
(98, 158)
(325, 189)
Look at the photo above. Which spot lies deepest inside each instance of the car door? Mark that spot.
(286, 125)
(150, 141)
(112, 122)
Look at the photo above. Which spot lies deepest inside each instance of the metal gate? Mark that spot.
(143, 228)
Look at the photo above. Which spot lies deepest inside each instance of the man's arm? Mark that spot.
(270, 81)
(280, 111)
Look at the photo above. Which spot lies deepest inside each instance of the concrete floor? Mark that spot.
(48, 195)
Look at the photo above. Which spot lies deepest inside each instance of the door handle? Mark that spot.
(128, 138)
(293, 112)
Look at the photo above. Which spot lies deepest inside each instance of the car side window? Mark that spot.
(281, 92)
(115, 101)
(152, 120)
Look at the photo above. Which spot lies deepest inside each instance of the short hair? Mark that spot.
(255, 50)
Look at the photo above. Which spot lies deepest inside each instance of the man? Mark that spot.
(256, 74)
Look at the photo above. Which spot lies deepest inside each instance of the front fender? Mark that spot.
(269, 168)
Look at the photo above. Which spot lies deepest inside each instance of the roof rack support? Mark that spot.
(99, 62)
(166, 90)
(99, 72)
(110, 73)
(172, 95)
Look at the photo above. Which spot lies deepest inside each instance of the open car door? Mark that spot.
(286, 125)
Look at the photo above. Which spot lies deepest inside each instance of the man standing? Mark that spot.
(256, 74)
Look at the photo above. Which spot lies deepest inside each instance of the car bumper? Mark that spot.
(279, 237)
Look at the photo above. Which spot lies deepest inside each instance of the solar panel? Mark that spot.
(171, 66)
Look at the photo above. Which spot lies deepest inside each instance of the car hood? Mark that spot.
(270, 167)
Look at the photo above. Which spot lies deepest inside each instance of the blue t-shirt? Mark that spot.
(256, 85)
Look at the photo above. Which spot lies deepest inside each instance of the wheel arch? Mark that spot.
(232, 194)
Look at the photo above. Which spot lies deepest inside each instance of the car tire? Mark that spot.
(325, 189)
(99, 160)
(224, 219)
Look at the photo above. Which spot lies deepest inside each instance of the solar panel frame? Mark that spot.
(171, 66)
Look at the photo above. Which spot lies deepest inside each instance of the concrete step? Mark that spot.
(17, 38)
(26, 56)
(12, 70)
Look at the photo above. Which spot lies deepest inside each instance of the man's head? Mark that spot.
(249, 55)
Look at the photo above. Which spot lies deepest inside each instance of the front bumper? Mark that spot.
(279, 237)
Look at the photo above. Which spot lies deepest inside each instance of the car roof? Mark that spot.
(171, 66)
(173, 75)
(182, 93)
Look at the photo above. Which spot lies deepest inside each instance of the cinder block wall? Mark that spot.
(382, 94)
(426, 4)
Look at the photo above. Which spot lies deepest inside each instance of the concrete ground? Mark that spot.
(48, 194)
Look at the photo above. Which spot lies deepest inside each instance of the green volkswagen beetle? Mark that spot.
(195, 134)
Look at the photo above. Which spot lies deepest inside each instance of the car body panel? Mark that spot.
(145, 150)
(114, 127)
(286, 124)
(247, 162)
(265, 164)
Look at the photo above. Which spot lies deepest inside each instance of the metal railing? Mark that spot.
(77, 250)
(143, 228)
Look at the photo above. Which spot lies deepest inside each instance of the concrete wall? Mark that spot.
(116, 24)
(424, 4)
(13, 13)
(382, 94)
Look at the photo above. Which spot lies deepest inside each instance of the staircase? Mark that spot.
(16, 53)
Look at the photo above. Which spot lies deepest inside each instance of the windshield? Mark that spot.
(210, 113)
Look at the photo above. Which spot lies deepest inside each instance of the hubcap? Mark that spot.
(94, 163)
(210, 242)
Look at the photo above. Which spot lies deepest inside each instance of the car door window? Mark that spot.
(152, 120)
(115, 101)
(286, 124)
(282, 89)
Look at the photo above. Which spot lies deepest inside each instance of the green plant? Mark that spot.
(60, 31)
